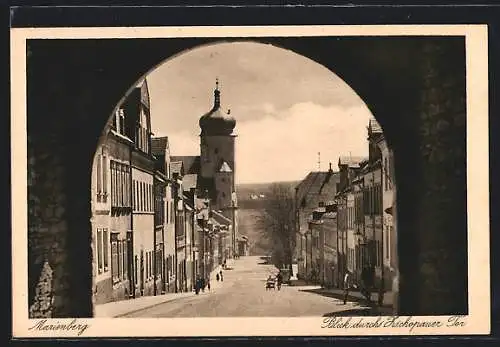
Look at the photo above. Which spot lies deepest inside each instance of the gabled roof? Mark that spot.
(225, 167)
(350, 161)
(176, 167)
(374, 126)
(220, 218)
(159, 145)
(317, 183)
(191, 163)
(144, 92)
(189, 181)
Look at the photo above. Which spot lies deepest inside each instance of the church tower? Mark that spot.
(217, 147)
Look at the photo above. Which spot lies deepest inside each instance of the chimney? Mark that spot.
(330, 169)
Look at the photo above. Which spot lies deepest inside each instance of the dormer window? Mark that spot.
(120, 121)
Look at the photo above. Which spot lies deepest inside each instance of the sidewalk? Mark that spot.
(354, 295)
(124, 307)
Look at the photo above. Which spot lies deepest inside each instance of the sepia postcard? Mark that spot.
(250, 181)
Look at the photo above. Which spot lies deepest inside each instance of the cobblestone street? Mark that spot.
(243, 294)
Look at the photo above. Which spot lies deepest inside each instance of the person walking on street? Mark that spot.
(279, 280)
(217, 277)
(347, 285)
(208, 283)
(221, 277)
(197, 285)
(202, 285)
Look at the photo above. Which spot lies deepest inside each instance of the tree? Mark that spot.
(277, 223)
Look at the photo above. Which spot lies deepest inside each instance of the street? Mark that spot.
(243, 294)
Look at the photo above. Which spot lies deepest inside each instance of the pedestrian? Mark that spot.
(217, 277)
(208, 283)
(221, 277)
(202, 285)
(347, 286)
(197, 286)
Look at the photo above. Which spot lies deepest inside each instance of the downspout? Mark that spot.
(130, 252)
(193, 263)
(176, 226)
(154, 232)
(185, 248)
(163, 282)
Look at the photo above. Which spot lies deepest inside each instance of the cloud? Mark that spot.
(286, 147)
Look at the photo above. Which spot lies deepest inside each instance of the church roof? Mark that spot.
(191, 163)
(225, 167)
(216, 121)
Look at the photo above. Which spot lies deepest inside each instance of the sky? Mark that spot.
(287, 109)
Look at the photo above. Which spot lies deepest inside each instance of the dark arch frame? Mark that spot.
(415, 87)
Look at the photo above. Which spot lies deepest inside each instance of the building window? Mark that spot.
(136, 271)
(140, 195)
(105, 243)
(104, 178)
(119, 260)
(166, 211)
(115, 263)
(216, 151)
(134, 195)
(120, 121)
(99, 251)
(98, 177)
(124, 260)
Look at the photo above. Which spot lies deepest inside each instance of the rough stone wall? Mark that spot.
(443, 148)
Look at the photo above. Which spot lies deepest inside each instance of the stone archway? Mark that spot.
(415, 87)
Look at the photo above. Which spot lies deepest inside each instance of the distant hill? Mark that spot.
(257, 191)
(251, 199)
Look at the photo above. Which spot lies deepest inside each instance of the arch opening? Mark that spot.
(406, 118)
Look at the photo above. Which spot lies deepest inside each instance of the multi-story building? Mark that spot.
(137, 115)
(314, 190)
(160, 184)
(372, 176)
(330, 245)
(161, 150)
(389, 235)
(348, 199)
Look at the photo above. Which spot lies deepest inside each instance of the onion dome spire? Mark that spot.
(216, 121)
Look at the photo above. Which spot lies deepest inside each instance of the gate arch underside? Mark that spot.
(414, 86)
